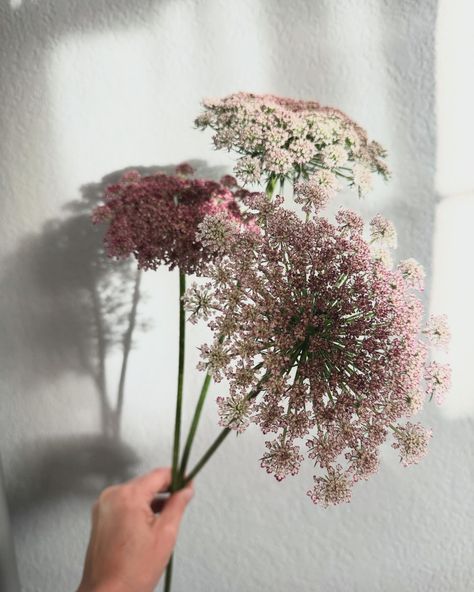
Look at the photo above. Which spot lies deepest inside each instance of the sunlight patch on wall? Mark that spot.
(103, 105)
(453, 293)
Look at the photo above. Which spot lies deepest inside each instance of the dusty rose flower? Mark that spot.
(229, 181)
(185, 169)
(438, 379)
(156, 218)
(281, 459)
(324, 340)
(411, 441)
(285, 138)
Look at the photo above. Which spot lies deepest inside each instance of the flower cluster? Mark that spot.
(320, 342)
(280, 138)
(156, 217)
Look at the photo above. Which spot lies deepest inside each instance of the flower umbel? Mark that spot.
(284, 138)
(156, 218)
(323, 339)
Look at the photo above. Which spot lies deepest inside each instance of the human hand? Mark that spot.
(130, 545)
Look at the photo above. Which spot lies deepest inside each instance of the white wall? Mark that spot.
(91, 87)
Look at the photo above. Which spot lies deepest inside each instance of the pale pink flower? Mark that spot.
(234, 412)
(383, 255)
(289, 138)
(413, 273)
(383, 231)
(349, 222)
(199, 301)
(332, 489)
(438, 381)
(334, 155)
(411, 441)
(437, 331)
(278, 161)
(362, 178)
(248, 169)
(312, 196)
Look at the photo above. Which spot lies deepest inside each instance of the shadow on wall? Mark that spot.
(72, 306)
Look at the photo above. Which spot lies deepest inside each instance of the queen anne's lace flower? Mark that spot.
(286, 138)
(413, 273)
(281, 459)
(234, 412)
(437, 331)
(332, 489)
(438, 378)
(383, 231)
(362, 178)
(156, 218)
(322, 338)
(199, 302)
(411, 441)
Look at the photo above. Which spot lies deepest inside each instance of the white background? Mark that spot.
(89, 88)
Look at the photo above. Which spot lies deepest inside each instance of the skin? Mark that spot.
(130, 545)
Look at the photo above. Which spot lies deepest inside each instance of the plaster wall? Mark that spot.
(89, 88)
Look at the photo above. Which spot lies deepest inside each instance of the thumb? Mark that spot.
(175, 506)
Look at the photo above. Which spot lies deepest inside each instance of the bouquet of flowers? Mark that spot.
(320, 340)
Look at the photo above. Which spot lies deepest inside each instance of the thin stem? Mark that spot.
(194, 425)
(271, 184)
(179, 395)
(210, 451)
(169, 575)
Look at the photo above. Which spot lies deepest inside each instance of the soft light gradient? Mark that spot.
(91, 87)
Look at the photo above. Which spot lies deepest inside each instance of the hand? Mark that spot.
(130, 546)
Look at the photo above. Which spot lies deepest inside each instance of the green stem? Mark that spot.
(169, 575)
(194, 425)
(271, 184)
(210, 451)
(179, 395)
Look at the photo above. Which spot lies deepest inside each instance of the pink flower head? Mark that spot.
(286, 138)
(321, 337)
(437, 331)
(156, 218)
(413, 273)
(438, 381)
(412, 442)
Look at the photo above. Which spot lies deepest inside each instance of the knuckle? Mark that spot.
(108, 494)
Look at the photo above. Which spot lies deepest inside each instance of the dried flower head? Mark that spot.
(156, 218)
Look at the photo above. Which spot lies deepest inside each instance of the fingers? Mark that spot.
(173, 510)
(151, 483)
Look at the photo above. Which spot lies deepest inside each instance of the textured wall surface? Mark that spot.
(90, 87)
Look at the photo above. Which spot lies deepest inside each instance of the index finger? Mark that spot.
(153, 482)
